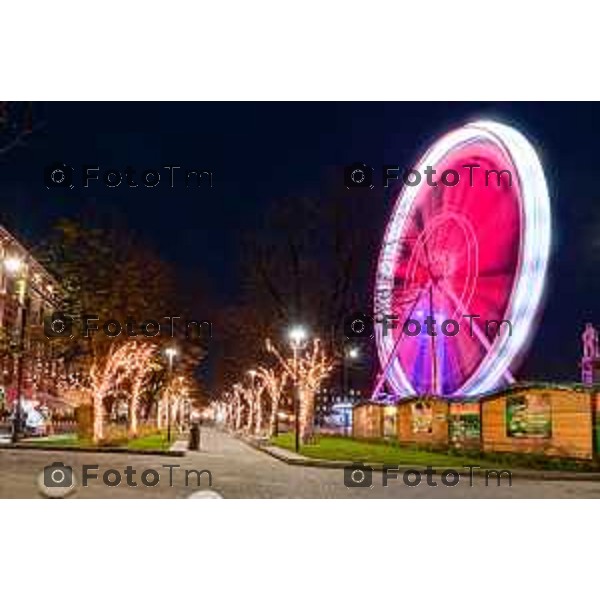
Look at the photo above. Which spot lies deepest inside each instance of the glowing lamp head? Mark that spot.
(297, 335)
(13, 264)
(353, 353)
(171, 353)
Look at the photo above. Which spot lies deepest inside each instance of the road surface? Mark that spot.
(238, 471)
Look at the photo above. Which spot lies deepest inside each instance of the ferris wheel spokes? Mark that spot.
(479, 334)
(389, 359)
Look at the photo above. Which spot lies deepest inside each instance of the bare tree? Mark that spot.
(16, 124)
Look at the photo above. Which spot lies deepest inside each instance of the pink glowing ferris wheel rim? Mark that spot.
(464, 248)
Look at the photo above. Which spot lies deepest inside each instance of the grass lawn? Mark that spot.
(348, 449)
(152, 441)
(389, 452)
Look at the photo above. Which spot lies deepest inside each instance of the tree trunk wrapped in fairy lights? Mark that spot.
(129, 362)
(307, 369)
(239, 408)
(160, 409)
(227, 408)
(177, 393)
(274, 384)
(258, 389)
(248, 395)
(141, 362)
(306, 400)
(229, 411)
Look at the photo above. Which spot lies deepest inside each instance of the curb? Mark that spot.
(100, 449)
(540, 475)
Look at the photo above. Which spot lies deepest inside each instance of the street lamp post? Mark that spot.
(181, 418)
(297, 336)
(348, 354)
(171, 353)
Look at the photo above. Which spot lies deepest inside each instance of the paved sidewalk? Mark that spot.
(242, 471)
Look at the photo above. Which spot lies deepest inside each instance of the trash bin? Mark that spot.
(194, 440)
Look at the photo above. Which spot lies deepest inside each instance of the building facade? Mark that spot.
(28, 293)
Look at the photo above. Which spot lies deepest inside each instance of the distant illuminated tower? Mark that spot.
(590, 361)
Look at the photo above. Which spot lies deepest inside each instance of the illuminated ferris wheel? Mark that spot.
(477, 246)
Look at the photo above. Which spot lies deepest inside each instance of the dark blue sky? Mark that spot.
(264, 152)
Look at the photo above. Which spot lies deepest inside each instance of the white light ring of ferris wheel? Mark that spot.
(528, 287)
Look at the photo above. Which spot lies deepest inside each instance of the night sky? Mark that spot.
(260, 153)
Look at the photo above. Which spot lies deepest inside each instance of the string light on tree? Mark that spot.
(239, 405)
(128, 363)
(257, 388)
(307, 370)
(274, 385)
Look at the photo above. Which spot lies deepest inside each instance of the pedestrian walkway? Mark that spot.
(241, 471)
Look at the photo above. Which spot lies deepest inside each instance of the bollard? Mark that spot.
(194, 440)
